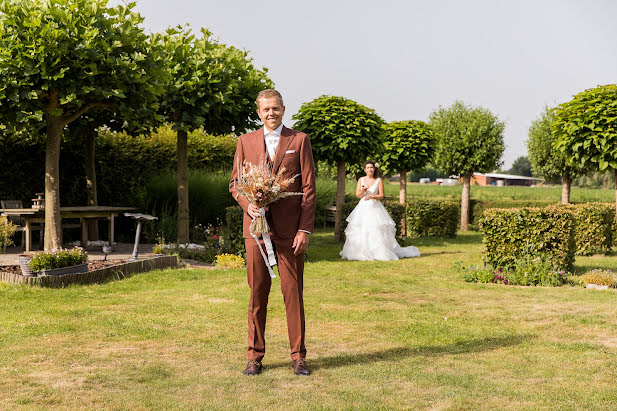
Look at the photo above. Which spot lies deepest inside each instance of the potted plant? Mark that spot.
(60, 262)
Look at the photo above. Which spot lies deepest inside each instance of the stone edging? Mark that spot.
(96, 276)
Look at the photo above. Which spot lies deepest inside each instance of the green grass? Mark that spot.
(402, 334)
(489, 193)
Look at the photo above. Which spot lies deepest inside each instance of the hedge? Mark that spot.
(511, 234)
(477, 207)
(123, 164)
(593, 232)
(427, 218)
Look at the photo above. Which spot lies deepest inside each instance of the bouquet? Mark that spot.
(261, 187)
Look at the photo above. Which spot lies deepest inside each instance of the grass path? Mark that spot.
(404, 334)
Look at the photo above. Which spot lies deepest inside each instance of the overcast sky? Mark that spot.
(406, 58)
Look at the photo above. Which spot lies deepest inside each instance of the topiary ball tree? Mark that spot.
(546, 161)
(469, 140)
(408, 146)
(586, 130)
(342, 132)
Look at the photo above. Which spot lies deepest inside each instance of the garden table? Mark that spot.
(84, 213)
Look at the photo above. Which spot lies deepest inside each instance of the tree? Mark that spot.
(586, 130)
(546, 161)
(211, 86)
(59, 59)
(408, 146)
(469, 140)
(342, 132)
(521, 167)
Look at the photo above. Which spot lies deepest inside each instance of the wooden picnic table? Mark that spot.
(84, 213)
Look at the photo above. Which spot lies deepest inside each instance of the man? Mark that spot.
(290, 220)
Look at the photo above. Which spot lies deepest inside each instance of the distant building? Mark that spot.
(495, 179)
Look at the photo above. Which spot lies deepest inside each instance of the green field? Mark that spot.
(491, 193)
(405, 334)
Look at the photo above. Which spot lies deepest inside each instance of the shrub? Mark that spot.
(7, 229)
(233, 235)
(426, 218)
(600, 277)
(510, 233)
(593, 230)
(325, 194)
(227, 261)
(48, 260)
(477, 207)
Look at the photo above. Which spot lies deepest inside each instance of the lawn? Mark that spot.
(403, 334)
(492, 193)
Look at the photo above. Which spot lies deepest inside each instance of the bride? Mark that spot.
(370, 232)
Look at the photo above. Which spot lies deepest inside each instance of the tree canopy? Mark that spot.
(408, 146)
(586, 128)
(61, 58)
(469, 139)
(521, 167)
(342, 132)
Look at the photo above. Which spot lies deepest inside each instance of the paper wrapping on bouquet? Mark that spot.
(259, 226)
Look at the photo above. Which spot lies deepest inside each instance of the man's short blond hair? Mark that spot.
(269, 93)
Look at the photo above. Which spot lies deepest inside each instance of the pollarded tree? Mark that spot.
(61, 58)
(211, 86)
(408, 146)
(469, 140)
(586, 130)
(342, 132)
(546, 161)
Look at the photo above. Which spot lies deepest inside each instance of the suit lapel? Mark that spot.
(259, 145)
(281, 148)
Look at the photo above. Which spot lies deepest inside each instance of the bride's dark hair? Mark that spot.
(375, 166)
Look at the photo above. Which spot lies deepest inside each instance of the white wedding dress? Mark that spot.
(371, 232)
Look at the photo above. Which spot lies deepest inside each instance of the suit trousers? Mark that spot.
(291, 271)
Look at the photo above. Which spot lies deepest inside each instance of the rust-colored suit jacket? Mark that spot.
(287, 215)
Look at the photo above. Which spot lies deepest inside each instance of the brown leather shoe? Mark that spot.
(299, 367)
(252, 368)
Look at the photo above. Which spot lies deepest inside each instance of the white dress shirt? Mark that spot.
(272, 139)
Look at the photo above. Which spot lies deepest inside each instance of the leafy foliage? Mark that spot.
(600, 277)
(547, 161)
(63, 57)
(586, 128)
(7, 229)
(210, 85)
(594, 226)
(510, 234)
(521, 167)
(430, 218)
(408, 145)
(468, 139)
(340, 129)
(48, 260)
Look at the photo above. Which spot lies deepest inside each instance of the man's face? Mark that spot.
(271, 112)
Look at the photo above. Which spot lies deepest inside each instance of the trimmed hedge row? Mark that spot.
(594, 225)
(477, 207)
(124, 164)
(426, 218)
(511, 234)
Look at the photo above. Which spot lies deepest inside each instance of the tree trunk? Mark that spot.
(340, 200)
(90, 135)
(465, 202)
(53, 223)
(403, 201)
(566, 183)
(183, 188)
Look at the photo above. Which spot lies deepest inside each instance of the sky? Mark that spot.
(406, 58)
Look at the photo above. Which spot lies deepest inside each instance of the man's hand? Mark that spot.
(253, 211)
(300, 244)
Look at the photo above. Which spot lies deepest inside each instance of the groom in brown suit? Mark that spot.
(290, 220)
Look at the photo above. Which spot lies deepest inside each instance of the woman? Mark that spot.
(370, 232)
